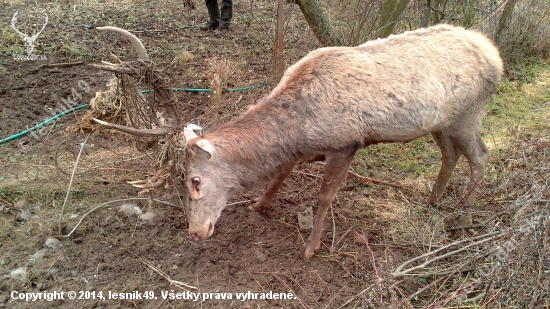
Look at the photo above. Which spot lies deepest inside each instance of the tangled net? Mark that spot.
(124, 104)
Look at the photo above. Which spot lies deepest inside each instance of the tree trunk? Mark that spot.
(505, 19)
(469, 6)
(279, 56)
(390, 12)
(318, 21)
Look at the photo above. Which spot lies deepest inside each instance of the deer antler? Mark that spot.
(133, 131)
(166, 103)
(136, 43)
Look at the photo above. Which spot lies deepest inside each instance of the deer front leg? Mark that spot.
(336, 168)
(264, 202)
(449, 158)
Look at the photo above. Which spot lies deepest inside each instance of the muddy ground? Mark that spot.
(370, 231)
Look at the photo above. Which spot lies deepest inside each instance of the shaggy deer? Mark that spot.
(336, 100)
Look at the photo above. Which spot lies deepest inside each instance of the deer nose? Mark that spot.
(202, 233)
(195, 237)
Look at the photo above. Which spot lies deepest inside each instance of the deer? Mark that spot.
(337, 100)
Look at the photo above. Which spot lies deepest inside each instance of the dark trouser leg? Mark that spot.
(226, 13)
(213, 15)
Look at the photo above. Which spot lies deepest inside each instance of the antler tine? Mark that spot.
(155, 184)
(134, 131)
(136, 43)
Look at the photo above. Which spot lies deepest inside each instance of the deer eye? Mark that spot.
(196, 181)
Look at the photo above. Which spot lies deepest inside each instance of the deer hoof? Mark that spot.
(311, 248)
(260, 205)
(309, 253)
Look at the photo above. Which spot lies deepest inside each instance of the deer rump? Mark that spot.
(336, 100)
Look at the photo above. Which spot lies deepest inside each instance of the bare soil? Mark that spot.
(369, 232)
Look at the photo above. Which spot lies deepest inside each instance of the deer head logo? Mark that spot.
(29, 40)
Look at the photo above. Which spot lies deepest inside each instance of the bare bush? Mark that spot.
(524, 33)
(528, 31)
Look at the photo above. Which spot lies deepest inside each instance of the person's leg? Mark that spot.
(213, 16)
(226, 14)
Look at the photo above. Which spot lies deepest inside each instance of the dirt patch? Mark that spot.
(146, 254)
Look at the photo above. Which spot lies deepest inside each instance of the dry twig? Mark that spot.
(179, 284)
(286, 285)
(369, 179)
(260, 23)
(114, 201)
(376, 181)
(58, 65)
(379, 280)
(354, 297)
(71, 182)
(399, 272)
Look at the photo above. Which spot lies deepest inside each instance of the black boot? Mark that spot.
(213, 16)
(227, 14)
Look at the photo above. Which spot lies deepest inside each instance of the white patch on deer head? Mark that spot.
(190, 131)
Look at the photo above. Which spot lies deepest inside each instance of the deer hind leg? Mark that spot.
(264, 202)
(449, 156)
(454, 142)
(336, 168)
(474, 149)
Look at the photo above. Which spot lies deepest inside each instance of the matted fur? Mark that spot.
(338, 99)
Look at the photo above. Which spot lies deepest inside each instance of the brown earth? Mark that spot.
(118, 252)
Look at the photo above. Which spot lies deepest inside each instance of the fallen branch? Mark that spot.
(444, 276)
(339, 241)
(373, 180)
(373, 266)
(23, 86)
(239, 202)
(307, 174)
(146, 184)
(254, 278)
(376, 181)
(58, 65)
(6, 202)
(426, 287)
(333, 229)
(399, 273)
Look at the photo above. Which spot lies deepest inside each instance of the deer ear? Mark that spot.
(202, 149)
